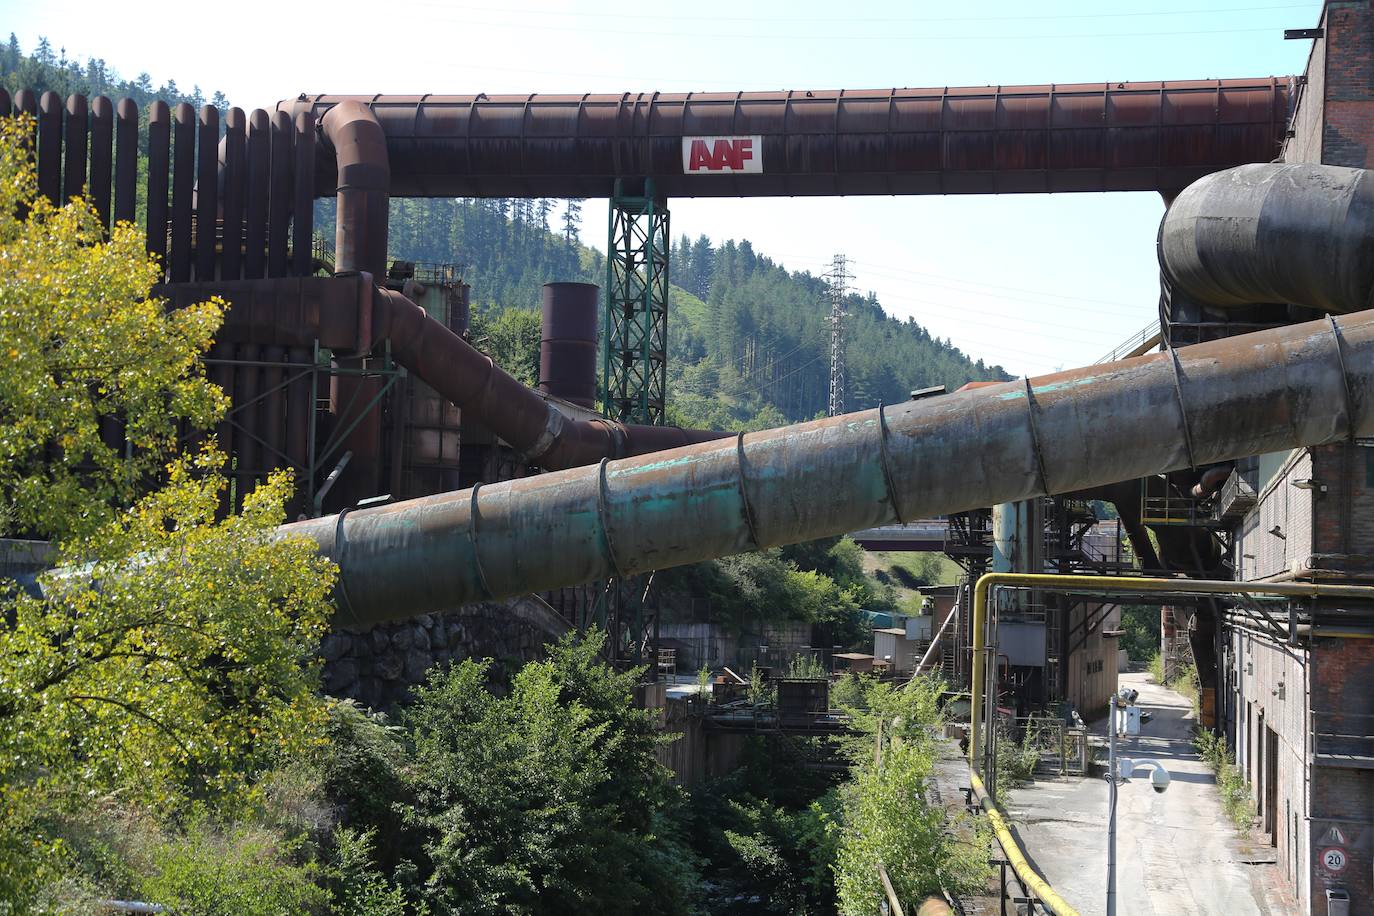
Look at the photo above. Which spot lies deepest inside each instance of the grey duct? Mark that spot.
(1276, 233)
(1307, 384)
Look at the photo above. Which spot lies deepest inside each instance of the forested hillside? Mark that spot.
(748, 339)
(46, 69)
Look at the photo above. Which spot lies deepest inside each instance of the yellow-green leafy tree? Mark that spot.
(169, 661)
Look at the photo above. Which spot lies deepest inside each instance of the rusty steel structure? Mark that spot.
(1308, 384)
(567, 346)
(317, 346)
(1139, 136)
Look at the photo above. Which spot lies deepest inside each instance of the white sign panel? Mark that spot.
(722, 155)
(1334, 859)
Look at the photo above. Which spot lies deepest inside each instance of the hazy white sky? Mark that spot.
(1033, 282)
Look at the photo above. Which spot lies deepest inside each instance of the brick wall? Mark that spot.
(1257, 666)
(1259, 553)
(1342, 702)
(1306, 143)
(1348, 133)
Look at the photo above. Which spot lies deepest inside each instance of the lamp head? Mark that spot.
(1159, 779)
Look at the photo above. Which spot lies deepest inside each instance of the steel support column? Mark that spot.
(635, 351)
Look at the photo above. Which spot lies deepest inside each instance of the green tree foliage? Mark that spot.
(511, 337)
(45, 70)
(82, 343)
(753, 588)
(747, 345)
(171, 662)
(548, 799)
(885, 816)
(1140, 632)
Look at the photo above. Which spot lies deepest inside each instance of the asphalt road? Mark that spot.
(1176, 852)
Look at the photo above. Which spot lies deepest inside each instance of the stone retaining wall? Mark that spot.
(378, 666)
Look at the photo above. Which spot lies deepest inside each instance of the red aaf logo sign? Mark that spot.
(722, 155)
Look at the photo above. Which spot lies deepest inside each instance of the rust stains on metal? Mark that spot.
(987, 139)
(568, 341)
(1087, 427)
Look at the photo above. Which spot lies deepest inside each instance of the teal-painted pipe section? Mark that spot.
(1302, 385)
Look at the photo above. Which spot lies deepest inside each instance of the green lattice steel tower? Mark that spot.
(636, 327)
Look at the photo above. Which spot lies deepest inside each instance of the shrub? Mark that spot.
(1235, 794)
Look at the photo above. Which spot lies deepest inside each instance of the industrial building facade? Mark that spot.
(1295, 684)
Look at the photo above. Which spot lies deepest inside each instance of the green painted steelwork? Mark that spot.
(635, 330)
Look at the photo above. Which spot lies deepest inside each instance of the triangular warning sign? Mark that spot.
(1334, 835)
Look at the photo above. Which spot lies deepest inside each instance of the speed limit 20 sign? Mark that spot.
(1334, 859)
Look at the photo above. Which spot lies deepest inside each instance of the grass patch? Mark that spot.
(1235, 794)
(1184, 682)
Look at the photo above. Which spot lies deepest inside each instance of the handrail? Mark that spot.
(1119, 585)
(1139, 343)
(1016, 857)
(941, 634)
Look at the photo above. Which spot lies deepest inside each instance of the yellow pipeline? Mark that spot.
(1123, 585)
(1037, 885)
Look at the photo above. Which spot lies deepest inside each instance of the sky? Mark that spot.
(1034, 283)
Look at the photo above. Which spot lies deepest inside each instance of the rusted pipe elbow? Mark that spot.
(364, 179)
(530, 424)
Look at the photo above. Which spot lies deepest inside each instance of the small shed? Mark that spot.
(853, 663)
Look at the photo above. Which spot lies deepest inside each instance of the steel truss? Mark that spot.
(635, 351)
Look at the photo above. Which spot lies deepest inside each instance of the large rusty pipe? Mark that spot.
(74, 147)
(1144, 136)
(470, 379)
(207, 188)
(102, 156)
(362, 179)
(1289, 233)
(159, 137)
(567, 341)
(126, 161)
(1303, 385)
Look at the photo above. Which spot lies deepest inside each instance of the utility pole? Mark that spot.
(838, 278)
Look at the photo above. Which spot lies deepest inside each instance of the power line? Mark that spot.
(622, 16)
(525, 26)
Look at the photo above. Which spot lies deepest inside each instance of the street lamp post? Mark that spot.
(1159, 781)
(1111, 807)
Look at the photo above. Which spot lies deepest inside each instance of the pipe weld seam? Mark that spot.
(340, 560)
(1036, 447)
(603, 515)
(474, 516)
(553, 429)
(890, 482)
(1182, 407)
(1345, 378)
(744, 493)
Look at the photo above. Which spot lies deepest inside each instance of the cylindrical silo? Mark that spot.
(567, 349)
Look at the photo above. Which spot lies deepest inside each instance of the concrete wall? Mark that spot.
(713, 645)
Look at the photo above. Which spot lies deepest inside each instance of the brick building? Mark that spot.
(1294, 685)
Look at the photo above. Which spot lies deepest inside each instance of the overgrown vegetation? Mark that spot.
(1140, 632)
(820, 582)
(1183, 681)
(162, 736)
(1016, 760)
(170, 670)
(1235, 794)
